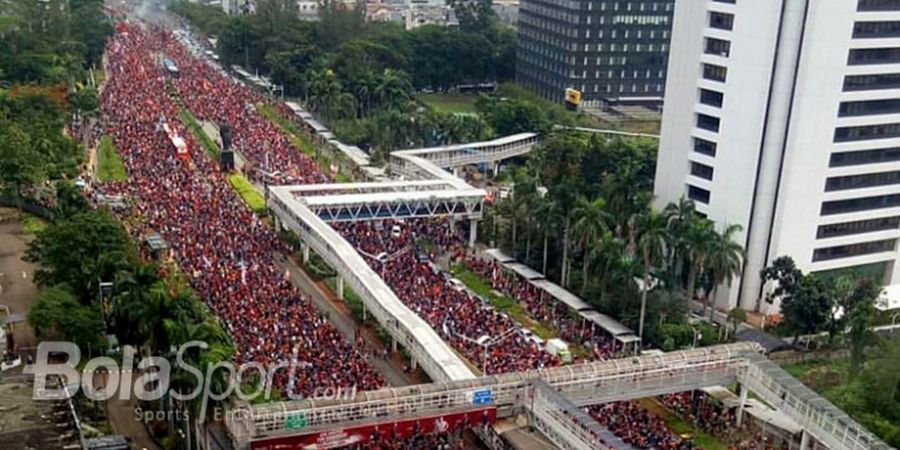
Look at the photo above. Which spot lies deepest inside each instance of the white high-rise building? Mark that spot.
(783, 116)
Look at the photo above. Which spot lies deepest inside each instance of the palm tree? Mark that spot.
(393, 88)
(132, 291)
(724, 261)
(549, 212)
(652, 241)
(680, 217)
(163, 315)
(698, 238)
(590, 223)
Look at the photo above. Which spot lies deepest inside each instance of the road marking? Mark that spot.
(24, 274)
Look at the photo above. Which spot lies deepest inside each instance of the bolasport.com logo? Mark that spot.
(102, 378)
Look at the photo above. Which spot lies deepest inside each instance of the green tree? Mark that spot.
(58, 314)
(81, 251)
(807, 307)
(19, 164)
(652, 244)
(785, 275)
(859, 310)
(724, 260)
(133, 290)
(590, 223)
(737, 316)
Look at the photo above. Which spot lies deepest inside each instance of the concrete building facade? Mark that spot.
(783, 116)
(613, 51)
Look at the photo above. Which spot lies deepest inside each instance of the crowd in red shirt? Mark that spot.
(459, 317)
(225, 250)
(229, 255)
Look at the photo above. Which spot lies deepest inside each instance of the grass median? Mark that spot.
(111, 167)
(193, 125)
(245, 189)
(501, 302)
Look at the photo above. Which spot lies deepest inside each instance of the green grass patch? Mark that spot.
(33, 224)
(297, 138)
(450, 103)
(211, 148)
(245, 189)
(111, 167)
(501, 302)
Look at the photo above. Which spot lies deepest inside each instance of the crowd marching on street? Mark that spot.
(229, 254)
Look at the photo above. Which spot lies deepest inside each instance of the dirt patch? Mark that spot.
(31, 424)
(17, 289)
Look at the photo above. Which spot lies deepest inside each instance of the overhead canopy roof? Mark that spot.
(612, 326)
(560, 294)
(627, 338)
(524, 271)
(498, 255)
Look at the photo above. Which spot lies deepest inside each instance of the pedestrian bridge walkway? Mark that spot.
(451, 156)
(581, 385)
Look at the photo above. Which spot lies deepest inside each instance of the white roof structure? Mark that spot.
(472, 153)
(404, 325)
(524, 271)
(354, 153)
(612, 326)
(498, 255)
(556, 291)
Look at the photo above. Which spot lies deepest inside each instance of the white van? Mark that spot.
(558, 347)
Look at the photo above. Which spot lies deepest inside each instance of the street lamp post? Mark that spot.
(486, 344)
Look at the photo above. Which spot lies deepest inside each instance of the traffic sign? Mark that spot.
(484, 397)
(295, 421)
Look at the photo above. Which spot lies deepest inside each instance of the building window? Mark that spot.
(860, 204)
(718, 47)
(851, 250)
(880, 29)
(721, 21)
(711, 98)
(878, 5)
(866, 180)
(698, 194)
(869, 107)
(714, 72)
(882, 155)
(866, 56)
(701, 171)
(857, 227)
(708, 123)
(705, 147)
(872, 82)
(730, 2)
(867, 132)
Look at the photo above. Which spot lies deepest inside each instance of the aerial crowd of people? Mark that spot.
(231, 256)
(227, 253)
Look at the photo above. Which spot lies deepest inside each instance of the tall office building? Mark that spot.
(783, 116)
(613, 51)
